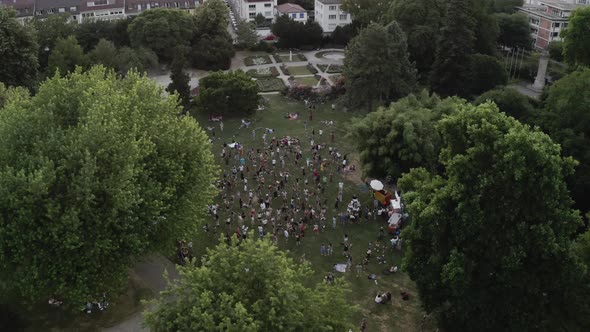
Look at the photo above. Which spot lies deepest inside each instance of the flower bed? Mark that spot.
(334, 69)
(270, 84)
(297, 57)
(257, 60)
(263, 72)
(323, 67)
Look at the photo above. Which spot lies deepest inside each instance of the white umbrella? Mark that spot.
(376, 185)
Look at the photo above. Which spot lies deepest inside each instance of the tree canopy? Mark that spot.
(230, 93)
(393, 140)
(293, 34)
(18, 51)
(104, 53)
(485, 73)
(576, 44)
(377, 65)
(365, 12)
(566, 118)
(179, 79)
(49, 30)
(212, 45)
(489, 244)
(95, 171)
(509, 101)
(161, 30)
(514, 30)
(253, 286)
(66, 56)
(456, 41)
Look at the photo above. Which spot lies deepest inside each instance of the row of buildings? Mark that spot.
(547, 18)
(327, 12)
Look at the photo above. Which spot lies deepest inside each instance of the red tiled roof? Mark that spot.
(288, 8)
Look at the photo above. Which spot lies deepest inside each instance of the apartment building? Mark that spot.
(42, 8)
(329, 15)
(548, 18)
(293, 11)
(248, 9)
(106, 10)
(136, 7)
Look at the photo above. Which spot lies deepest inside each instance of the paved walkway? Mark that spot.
(151, 272)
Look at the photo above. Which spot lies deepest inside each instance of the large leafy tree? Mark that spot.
(377, 65)
(485, 73)
(104, 53)
(486, 27)
(489, 245)
(49, 30)
(139, 59)
(511, 102)
(421, 20)
(212, 45)
(293, 34)
(393, 140)
(567, 119)
(514, 31)
(231, 93)
(18, 51)
(506, 6)
(162, 30)
(364, 12)
(90, 32)
(456, 41)
(179, 78)
(246, 35)
(95, 171)
(249, 287)
(66, 56)
(576, 45)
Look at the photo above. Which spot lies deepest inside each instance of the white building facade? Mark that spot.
(293, 11)
(248, 9)
(329, 15)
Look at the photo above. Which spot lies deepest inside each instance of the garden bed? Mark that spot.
(257, 60)
(323, 68)
(308, 81)
(270, 84)
(263, 72)
(334, 69)
(297, 57)
(299, 70)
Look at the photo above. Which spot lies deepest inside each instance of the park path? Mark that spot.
(150, 272)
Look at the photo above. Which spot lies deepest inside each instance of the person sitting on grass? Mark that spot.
(383, 298)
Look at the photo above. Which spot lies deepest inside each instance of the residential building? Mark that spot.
(42, 8)
(293, 11)
(136, 7)
(329, 15)
(547, 19)
(106, 10)
(248, 9)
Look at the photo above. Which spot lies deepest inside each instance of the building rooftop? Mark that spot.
(542, 12)
(288, 8)
(565, 6)
(330, 2)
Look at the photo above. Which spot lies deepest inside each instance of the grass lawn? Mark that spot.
(253, 60)
(397, 316)
(297, 57)
(299, 70)
(270, 84)
(309, 81)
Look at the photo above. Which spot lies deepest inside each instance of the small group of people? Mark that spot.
(383, 298)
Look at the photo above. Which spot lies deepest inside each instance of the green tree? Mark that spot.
(180, 79)
(90, 32)
(230, 93)
(293, 34)
(451, 66)
(566, 118)
(393, 140)
(161, 30)
(260, 20)
(486, 28)
(95, 171)
(365, 12)
(104, 53)
(66, 56)
(421, 20)
(511, 102)
(576, 43)
(18, 51)
(556, 50)
(49, 30)
(212, 45)
(343, 34)
(249, 287)
(489, 243)
(139, 59)
(247, 36)
(485, 73)
(506, 6)
(515, 31)
(377, 66)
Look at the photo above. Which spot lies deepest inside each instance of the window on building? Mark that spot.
(332, 7)
(72, 9)
(100, 2)
(251, 15)
(301, 15)
(293, 15)
(331, 17)
(50, 11)
(343, 17)
(555, 34)
(267, 5)
(267, 14)
(251, 7)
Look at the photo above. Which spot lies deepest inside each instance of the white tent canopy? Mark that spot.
(376, 185)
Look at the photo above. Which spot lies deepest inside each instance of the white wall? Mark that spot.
(330, 16)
